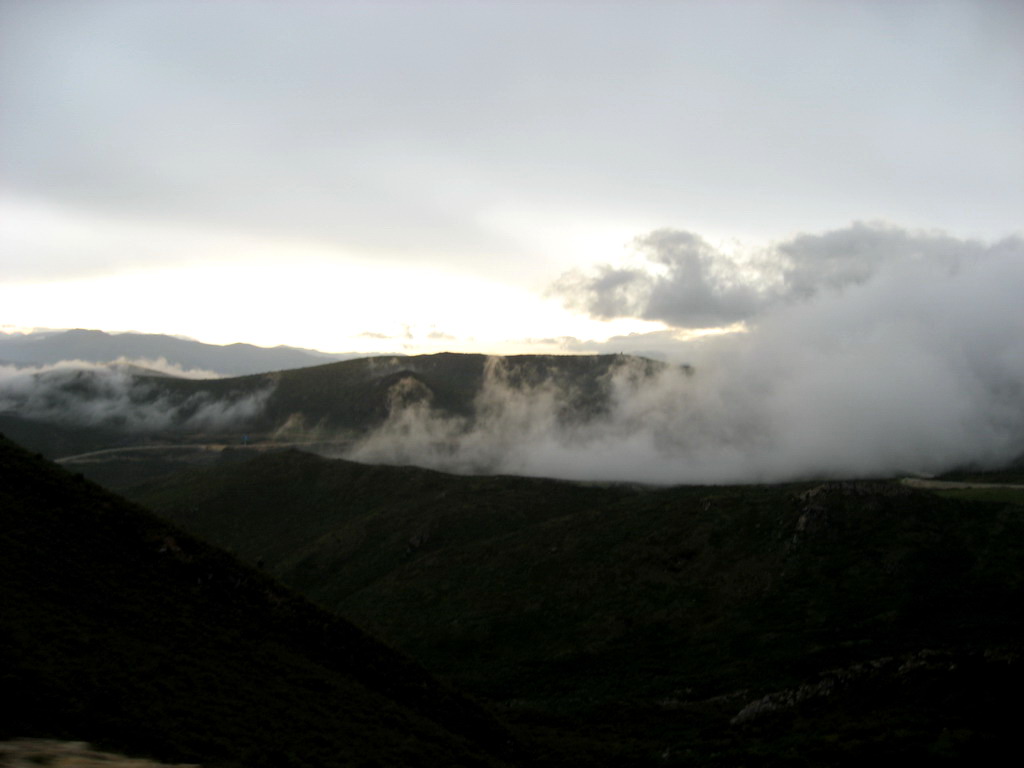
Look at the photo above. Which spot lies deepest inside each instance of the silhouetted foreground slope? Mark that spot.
(117, 629)
(29, 753)
(762, 625)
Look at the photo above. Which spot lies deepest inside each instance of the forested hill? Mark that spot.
(68, 411)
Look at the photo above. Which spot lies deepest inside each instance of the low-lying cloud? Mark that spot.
(160, 365)
(94, 395)
(870, 352)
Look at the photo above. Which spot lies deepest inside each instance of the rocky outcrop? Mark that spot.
(883, 670)
(825, 508)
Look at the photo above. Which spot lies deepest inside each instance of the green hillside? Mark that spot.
(801, 624)
(121, 630)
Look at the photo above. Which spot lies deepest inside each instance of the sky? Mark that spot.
(498, 176)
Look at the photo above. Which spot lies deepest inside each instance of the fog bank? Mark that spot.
(86, 394)
(914, 366)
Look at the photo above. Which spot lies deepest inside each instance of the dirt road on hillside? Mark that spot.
(187, 447)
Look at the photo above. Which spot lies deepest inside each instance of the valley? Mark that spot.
(511, 384)
(650, 616)
(600, 621)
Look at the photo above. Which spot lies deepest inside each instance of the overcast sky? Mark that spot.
(495, 176)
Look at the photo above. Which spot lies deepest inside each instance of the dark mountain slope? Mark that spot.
(53, 440)
(358, 394)
(118, 629)
(305, 517)
(842, 620)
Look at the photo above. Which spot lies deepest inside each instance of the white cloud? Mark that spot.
(445, 133)
(914, 366)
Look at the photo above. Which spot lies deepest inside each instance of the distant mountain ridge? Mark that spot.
(50, 347)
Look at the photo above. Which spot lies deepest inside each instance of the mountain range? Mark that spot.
(534, 621)
(50, 347)
(67, 411)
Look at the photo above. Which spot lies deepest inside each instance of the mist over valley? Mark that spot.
(905, 362)
(511, 385)
(721, 584)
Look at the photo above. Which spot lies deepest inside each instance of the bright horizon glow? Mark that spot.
(418, 177)
(330, 307)
(288, 292)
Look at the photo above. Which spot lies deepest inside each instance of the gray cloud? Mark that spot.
(809, 263)
(331, 122)
(687, 283)
(655, 345)
(697, 286)
(914, 366)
